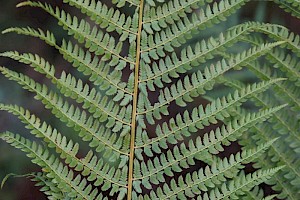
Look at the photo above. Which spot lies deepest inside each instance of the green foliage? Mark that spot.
(139, 67)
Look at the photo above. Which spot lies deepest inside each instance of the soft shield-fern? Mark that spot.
(141, 66)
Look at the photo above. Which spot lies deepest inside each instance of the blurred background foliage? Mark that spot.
(12, 160)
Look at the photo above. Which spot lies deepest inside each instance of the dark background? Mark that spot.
(14, 161)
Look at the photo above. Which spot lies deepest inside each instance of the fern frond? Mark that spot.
(90, 166)
(283, 151)
(286, 63)
(191, 56)
(47, 187)
(140, 62)
(201, 117)
(279, 184)
(290, 6)
(76, 90)
(207, 177)
(289, 92)
(256, 193)
(95, 40)
(197, 83)
(111, 82)
(240, 184)
(75, 187)
(211, 143)
(42, 66)
(283, 124)
(98, 71)
(89, 129)
(177, 34)
(280, 33)
(285, 90)
(279, 154)
(169, 12)
(48, 37)
(107, 18)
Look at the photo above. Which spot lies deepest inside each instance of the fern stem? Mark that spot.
(135, 100)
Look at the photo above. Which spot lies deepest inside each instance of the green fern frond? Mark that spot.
(95, 40)
(107, 18)
(290, 6)
(177, 34)
(90, 165)
(140, 111)
(47, 36)
(75, 187)
(81, 92)
(280, 33)
(47, 187)
(169, 12)
(196, 84)
(286, 63)
(97, 70)
(201, 117)
(89, 128)
(183, 156)
(279, 154)
(290, 93)
(281, 121)
(207, 178)
(240, 184)
(191, 56)
(257, 193)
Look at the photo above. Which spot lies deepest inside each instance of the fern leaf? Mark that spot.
(278, 184)
(194, 183)
(89, 129)
(200, 117)
(241, 184)
(107, 18)
(75, 89)
(169, 12)
(286, 63)
(182, 157)
(275, 154)
(256, 193)
(191, 56)
(197, 83)
(97, 70)
(47, 187)
(281, 121)
(291, 93)
(90, 164)
(290, 6)
(52, 166)
(48, 37)
(283, 125)
(109, 82)
(131, 49)
(95, 40)
(177, 34)
(280, 33)
(282, 155)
